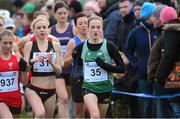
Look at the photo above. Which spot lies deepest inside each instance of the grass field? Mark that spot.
(24, 115)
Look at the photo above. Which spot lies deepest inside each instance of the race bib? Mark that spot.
(94, 73)
(8, 81)
(63, 50)
(43, 66)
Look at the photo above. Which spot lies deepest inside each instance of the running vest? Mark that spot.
(42, 68)
(77, 40)
(76, 70)
(64, 39)
(9, 82)
(96, 79)
(33, 38)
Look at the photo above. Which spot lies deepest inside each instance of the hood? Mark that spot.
(110, 9)
(173, 25)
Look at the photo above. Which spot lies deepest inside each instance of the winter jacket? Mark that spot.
(112, 20)
(138, 46)
(155, 55)
(171, 52)
(127, 24)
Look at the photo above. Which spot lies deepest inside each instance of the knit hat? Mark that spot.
(29, 7)
(167, 14)
(157, 10)
(146, 10)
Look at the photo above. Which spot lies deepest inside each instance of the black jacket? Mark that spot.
(171, 50)
(112, 20)
(127, 24)
(111, 5)
(156, 54)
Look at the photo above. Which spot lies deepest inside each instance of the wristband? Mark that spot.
(30, 62)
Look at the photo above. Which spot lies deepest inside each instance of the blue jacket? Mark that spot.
(138, 47)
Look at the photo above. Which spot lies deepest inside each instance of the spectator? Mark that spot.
(74, 8)
(129, 104)
(128, 22)
(168, 17)
(137, 9)
(4, 13)
(1, 23)
(28, 10)
(49, 9)
(138, 47)
(112, 20)
(91, 7)
(161, 107)
(18, 19)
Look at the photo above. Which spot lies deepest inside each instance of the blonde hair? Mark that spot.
(6, 32)
(38, 19)
(40, 14)
(95, 17)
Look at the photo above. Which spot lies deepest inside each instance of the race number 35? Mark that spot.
(95, 72)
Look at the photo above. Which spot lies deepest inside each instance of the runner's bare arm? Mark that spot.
(57, 65)
(68, 55)
(26, 52)
(21, 43)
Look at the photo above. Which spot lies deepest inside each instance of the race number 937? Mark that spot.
(7, 82)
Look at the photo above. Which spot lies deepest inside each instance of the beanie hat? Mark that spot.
(157, 10)
(146, 10)
(29, 7)
(167, 14)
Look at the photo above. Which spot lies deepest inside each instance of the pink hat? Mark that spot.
(167, 14)
(92, 5)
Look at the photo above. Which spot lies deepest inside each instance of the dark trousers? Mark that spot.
(145, 104)
(175, 106)
(162, 107)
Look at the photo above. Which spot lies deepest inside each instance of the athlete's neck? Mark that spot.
(82, 37)
(62, 25)
(42, 40)
(95, 41)
(5, 55)
(42, 44)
